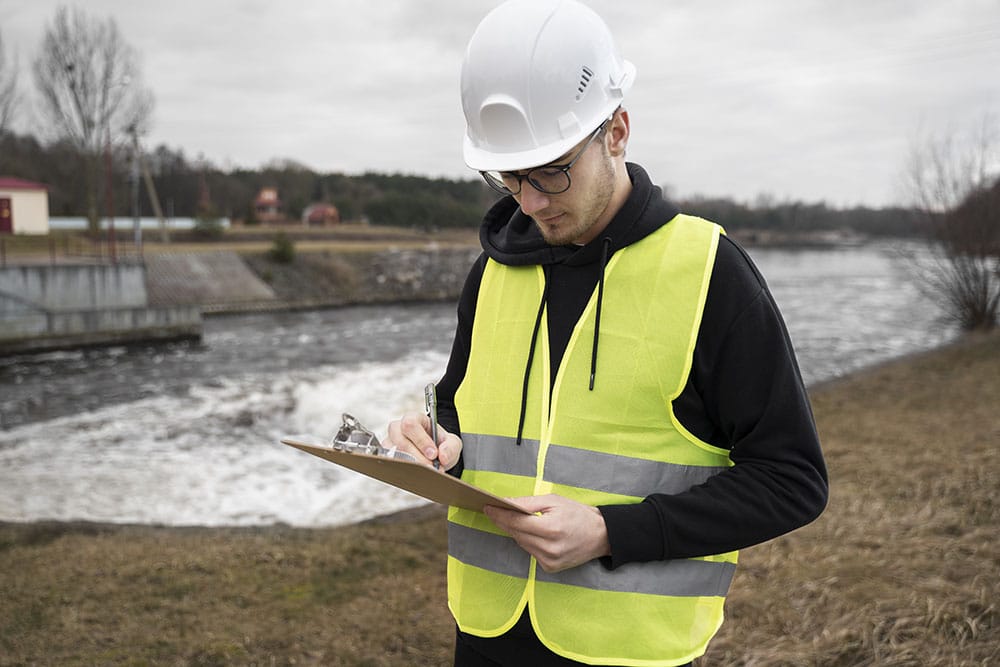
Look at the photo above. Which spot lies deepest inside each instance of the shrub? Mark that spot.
(208, 229)
(282, 250)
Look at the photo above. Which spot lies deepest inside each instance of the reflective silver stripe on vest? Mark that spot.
(679, 578)
(610, 473)
(622, 475)
(489, 551)
(494, 453)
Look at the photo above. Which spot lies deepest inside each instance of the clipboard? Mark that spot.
(411, 476)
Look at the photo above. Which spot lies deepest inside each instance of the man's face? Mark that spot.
(573, 216)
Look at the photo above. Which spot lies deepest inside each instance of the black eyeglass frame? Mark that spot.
(498, 185)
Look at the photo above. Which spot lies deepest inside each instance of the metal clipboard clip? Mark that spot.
(354, 438)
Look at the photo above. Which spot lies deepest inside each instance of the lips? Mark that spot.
(551, 220)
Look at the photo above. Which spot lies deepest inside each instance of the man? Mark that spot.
(620, 370)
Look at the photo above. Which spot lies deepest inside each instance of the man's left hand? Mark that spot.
(560, 533)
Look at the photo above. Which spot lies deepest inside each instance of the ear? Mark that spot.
(616, 136)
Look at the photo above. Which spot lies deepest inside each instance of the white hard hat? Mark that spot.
(538, 77)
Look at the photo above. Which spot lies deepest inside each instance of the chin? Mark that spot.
(557, 238)
(563, 232)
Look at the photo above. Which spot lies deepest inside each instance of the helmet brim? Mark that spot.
(485, 160)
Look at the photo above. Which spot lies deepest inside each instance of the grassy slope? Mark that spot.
(902, 568)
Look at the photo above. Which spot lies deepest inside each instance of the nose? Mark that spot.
(531, 200)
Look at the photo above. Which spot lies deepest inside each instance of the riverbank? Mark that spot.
(306, 268)
(163, 295)
(268, 268)
(900, 570)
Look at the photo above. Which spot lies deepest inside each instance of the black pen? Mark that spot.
(431, 403)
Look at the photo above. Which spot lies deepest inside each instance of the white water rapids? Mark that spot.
(189, 435)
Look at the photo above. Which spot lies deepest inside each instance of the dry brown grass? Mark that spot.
(67, 246)
(96, 595)
(902, 568)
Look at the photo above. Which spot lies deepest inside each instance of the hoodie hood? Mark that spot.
(510, 237)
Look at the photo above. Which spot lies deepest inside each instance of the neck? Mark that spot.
(620, 194)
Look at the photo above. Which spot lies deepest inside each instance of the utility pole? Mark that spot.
(110, 198)
(136, 219)
(140, 165)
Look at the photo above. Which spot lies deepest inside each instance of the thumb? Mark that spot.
(449, 448)
(533, 504)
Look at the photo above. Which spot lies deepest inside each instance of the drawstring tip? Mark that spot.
(591, 382)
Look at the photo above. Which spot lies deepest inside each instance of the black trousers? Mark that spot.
(518, 647)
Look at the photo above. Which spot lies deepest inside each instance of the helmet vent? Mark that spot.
(585, 76)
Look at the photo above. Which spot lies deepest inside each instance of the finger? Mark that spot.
(449, 450)
(542, 521)
(514, 524)
(534, 504)
(416, 428)
(498, 515)
(399, 436)
(511, 522)
(393, 437)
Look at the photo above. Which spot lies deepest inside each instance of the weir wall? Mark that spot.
(46, 307)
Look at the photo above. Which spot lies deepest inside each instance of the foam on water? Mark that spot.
(189, 435)
(213, 456)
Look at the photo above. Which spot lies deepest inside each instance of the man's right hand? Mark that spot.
(412, 434)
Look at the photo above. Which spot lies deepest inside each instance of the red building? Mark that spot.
(24, 207)
(320, 214)
(267, 206)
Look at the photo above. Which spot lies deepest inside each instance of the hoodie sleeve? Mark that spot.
(745, 394)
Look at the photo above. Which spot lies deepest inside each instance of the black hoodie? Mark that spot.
(744, 392)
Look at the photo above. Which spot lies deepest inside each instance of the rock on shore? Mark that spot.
(313, 279)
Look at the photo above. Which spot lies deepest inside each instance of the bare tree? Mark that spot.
(955, 183)
(9, 97)
(91, 91)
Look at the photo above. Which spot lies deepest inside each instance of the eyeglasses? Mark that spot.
(550, 179)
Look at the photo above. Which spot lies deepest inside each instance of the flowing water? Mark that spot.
(187, 434)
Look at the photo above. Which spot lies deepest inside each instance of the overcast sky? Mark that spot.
(799, 99)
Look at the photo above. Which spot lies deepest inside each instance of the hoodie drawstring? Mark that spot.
(605, 246)
(531, 354)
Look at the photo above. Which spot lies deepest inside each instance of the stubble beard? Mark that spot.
(581, 218)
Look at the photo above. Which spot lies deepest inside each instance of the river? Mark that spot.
(188, 434)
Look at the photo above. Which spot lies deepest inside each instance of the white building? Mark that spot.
(24, 207)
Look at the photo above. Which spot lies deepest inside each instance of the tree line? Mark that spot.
(195, 188)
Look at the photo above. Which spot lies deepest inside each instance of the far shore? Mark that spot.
(901, 569)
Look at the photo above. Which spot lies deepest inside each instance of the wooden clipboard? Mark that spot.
(417, 478)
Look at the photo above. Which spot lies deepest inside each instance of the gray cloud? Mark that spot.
(802, 99)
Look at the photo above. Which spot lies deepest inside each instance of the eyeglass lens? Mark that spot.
(550, 180)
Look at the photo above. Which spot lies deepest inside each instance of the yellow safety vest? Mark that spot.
(613, 445)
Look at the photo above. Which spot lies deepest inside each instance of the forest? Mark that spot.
(196, 188)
